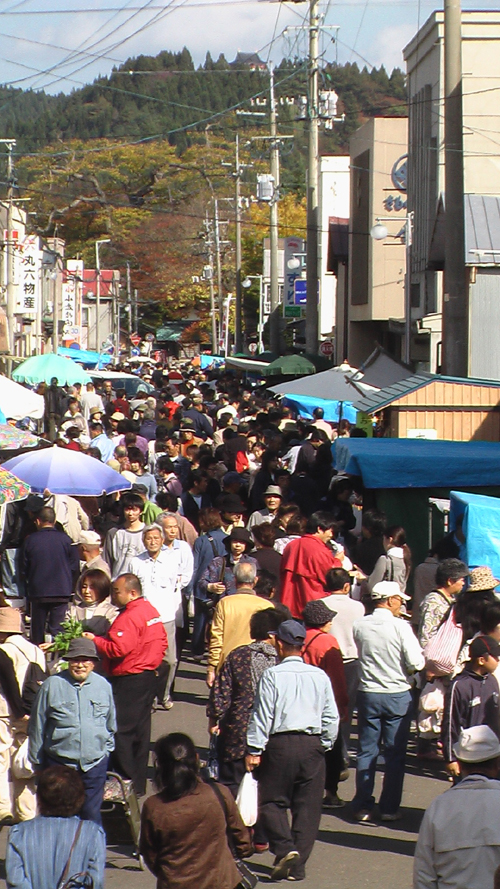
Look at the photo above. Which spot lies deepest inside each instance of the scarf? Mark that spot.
(262, 656)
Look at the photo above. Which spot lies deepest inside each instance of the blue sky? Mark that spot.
(85, 38)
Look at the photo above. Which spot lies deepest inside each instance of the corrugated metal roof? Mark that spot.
(375, 401)
(482, 229)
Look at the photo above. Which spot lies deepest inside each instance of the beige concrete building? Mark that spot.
(374, 306)
(424, 57)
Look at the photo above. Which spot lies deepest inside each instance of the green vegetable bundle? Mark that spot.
(72, 629)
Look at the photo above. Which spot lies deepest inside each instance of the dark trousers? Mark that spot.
(231, 774)
(198, 643)
(292, 777)
(94, 780)
(351, 671)
(46, 614)
(334, 763)
(133, 696)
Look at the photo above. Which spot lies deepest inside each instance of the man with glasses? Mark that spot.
(389, 653)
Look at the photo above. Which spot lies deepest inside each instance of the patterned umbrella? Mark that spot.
(11, 487)
(12, 439)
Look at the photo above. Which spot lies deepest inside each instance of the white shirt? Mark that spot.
(89, 400)
(163, 578)
(388, 652)
(348, 611)
(459, 841)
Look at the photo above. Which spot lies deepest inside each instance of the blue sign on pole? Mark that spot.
(300, 291)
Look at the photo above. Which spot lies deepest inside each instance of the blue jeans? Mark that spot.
(386, 716)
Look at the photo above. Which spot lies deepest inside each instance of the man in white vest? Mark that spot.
(17, 783)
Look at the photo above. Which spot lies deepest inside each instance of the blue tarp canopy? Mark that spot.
(417, 463)
(86, 356)
(305, 404)
(481, 527)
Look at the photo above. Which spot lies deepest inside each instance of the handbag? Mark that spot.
(212, 766)
(82, 880)
(248, 880)
(441, 652)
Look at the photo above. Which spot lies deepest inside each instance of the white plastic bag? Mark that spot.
(247, 799)
(21, 764)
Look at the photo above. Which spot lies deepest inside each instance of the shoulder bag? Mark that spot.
(248, 880)
(82, 880)
(441, 652)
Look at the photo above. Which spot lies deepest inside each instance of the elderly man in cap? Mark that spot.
(231, 622)
(17, 654)
(73, 723)
(459, 840)
(389, 654)
(294, 722)
(272, 499)
(90, 548)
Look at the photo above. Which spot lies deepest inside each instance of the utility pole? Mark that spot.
(312, 185)
(213, 317)
(10, 286)
(136, 310)
(274, 319)
(98, 293)
(238, 333)
(129, 305)
(218, 265)
(455, 300)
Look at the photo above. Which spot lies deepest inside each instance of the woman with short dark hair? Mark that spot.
(38, 850)
(184, 827)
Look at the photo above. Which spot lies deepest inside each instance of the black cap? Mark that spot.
(482, 646)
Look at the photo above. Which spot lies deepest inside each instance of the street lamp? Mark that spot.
(98, 292)
(379, 232)
(246, 283)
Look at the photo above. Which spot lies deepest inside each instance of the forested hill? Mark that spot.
(167, 96)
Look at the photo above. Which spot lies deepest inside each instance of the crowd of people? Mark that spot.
(238, 545)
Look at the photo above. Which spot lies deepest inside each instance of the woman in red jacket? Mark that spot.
(322, 650)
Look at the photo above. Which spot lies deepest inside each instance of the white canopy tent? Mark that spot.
(16, 402)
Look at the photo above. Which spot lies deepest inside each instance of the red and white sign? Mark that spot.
(135, 339)
(326, 348)
(252, 348)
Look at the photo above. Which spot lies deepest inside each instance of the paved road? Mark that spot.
(346, 855)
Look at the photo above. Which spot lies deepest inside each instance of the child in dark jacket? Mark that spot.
(472, 697)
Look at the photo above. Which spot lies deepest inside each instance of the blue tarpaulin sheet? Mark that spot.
(416, 463)
(481, 527)
(86, 356)
(305, 404)
(210, 361)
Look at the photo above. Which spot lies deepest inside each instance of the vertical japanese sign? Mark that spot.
(28, 291)
(69, 301)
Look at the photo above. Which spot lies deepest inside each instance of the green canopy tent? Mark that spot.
(289, 366)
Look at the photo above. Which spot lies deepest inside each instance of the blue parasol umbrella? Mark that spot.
(42, 368)
(62, 471)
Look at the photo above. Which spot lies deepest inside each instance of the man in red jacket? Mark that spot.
(132, 652)
(305, 562)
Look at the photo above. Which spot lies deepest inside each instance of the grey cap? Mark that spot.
(82, 648)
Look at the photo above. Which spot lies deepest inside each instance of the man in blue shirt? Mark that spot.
(73, 723)
(294, 721)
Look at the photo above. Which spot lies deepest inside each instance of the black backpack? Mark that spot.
(34, 678)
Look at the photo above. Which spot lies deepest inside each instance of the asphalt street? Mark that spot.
(346, 855)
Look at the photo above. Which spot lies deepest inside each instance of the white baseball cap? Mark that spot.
(477, 744)
(384, 589)
(92, 538)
